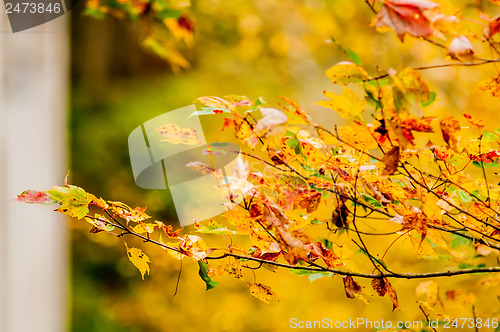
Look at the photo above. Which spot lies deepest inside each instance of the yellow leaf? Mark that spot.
(174, 134)
(144, 228)
(139, 259)
(262, 292)
(429, 292)
(346, 72)
(173, 253)
(348, 105)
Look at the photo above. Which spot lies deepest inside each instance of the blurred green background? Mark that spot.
(262, 48)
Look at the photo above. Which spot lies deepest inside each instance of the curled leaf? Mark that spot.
(461, 49)
(406, 17)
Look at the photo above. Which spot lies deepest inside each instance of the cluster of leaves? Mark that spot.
(392, 166)
(168, 25)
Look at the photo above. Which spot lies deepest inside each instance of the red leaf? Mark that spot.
(493, 27)
(406, 16)
(35, 197)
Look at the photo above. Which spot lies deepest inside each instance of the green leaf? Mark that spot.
(203, 272)
(372, 201)
(292, 142)
(464, 266)
(459, 240)
(491, 136)
(328, 243)
(319, 275)
(350, 54)
(168, 13)
(464, 197)
(432, 98)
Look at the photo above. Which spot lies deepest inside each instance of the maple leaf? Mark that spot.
(346, 72)
(406, 16)
(348, 105)
(174, 134)
(262, 292)
(35, 197)
(139, 259)
(74, 200)
(391, 161)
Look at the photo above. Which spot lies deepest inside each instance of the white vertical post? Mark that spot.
(33, 239)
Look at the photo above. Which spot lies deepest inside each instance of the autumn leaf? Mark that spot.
(380, 286)
(262, 292)
(139, 259)
(216, 103)
(391, 161)
(174, 134)
(239, 178)
(99, 223)
(198, 166)
(475, 122)
(449, 128)
(491, 85)
(74, 200)
(493, 27)
(193, 246)
(346, 72)
(429, 292)
(392, 295)
(406, 17)
(35, 197)
(168, 229)
(348, 105)
(271, 118)
(352, 288)
(487, 157)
